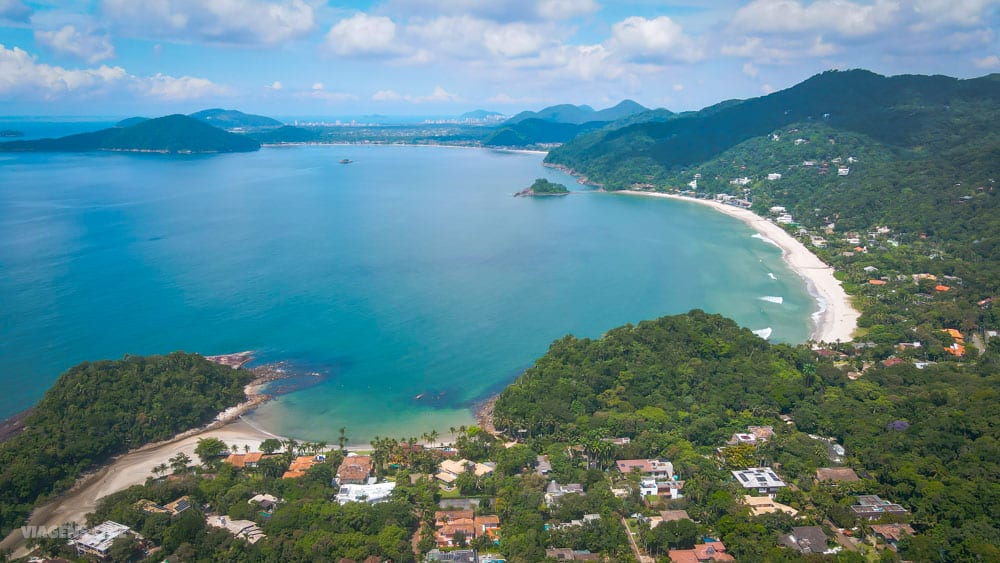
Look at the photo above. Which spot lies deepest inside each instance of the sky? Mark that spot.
(443, 57)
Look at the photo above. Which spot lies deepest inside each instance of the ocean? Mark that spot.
(405, 286)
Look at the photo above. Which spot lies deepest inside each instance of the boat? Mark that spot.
(346, 161)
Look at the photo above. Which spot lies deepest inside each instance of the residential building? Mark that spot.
(456, 556)
(301, 464)
(767, 505)
(354, 470)
(542, 465)
(587, 518)
(872, 507)
(774, 176)
(241, 461)
(97, 541)
(554, 491)
(655, 468)
(266, 502)
(836, 475)
(806, 539)
(843, 171)
(172, 508)
(244, 529)
(762, 479)
(892, 533)
(711, 551)
(567, 554)
(365, 493)
(450, 469)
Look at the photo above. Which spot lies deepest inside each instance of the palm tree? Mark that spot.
(452, 430)
(432, 436)
(235, 448)
(342, 440)
(246, 448)
(160, 469)
(321, 446)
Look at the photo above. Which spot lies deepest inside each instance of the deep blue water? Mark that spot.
(411, 272)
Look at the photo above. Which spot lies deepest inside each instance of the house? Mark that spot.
(957, 348)
(567, 554)
(892, 533)
(555, 491)
(244, 529)
(240, 461)
(655, 468)
(673, 515)
(587, 518)
(836, 475)
(172, 508)
(365, 493)
(711, 551)
(754, 435)
(624, 441)
(872, 507)
(893, 361)
(266, 502)
(843, 171)
(764, 480)
(806, 539)
(542, 465)
(97, 541)
(354, 470)
(774, 176)
(766, 505)
(777, 210)
(456, 556)
(464, 524)
(300, 465)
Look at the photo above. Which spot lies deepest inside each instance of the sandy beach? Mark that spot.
(837, 318)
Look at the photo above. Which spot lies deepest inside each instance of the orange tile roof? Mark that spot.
(877, 282)
(299, 466)
(355, 468)
(941, 288)
(954, 334)
(239, 461)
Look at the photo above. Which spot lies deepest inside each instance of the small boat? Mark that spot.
(418, 397)
(346, 161)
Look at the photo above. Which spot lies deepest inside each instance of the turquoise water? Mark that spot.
(410, 273)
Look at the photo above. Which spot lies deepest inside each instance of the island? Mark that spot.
(543, 187)
(176, 134)
(11, 133)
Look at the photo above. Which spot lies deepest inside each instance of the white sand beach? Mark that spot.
(838, 319)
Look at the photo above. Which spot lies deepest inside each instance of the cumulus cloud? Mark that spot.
(438, 95)
(991, 61)
(658, 38)
(565, 9)
(15, 11)
(276, 85)
(23, 77)
(386, 96)
(362, 34)
(171, 89)
(513, 40)
(750, 70)
(89, 47)
(952, 12)
(841, 16)
(506, 11)
(317, 86)
(254, 22)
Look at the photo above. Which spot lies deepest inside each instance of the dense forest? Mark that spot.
(172, 134)
(679, 386)
(100, 409)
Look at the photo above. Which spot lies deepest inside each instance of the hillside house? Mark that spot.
(872, 507)
(97, 541)
(761, 479)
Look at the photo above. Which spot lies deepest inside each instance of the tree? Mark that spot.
(124, 548)
(179, 463)
(209, 449)
(160, 469)
(270, 445)
(342, 439)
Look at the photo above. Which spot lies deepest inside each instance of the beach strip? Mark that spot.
(837, 318)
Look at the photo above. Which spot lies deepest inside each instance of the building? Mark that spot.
(542, 465)
(172, 508)
(241, 461)
(774, 176)
(765, 481)
(567, 554)
(301, 464)
(655, 468)
(872, 507)
(554, 491)
(587, 518)
(711, 551)
(450, 470)
(244, 529)
(354, 470)
(806, 539)
(766, 505)
(453, 525)
(892, 533)
(456, 556)
(843, 171)
(266, 502)
(97, 541)
(364, 493)
(836, 475)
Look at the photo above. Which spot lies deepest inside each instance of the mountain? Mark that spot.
(568, 113)
(170, 134)
(481, 115)
(231, 119)
(901, 111)
(286, 134)
(536, 131)
(130, 121)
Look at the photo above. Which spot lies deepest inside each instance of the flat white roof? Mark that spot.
(365, 493)
(758, 478)
(100, 537)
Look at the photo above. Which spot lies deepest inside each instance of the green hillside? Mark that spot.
(230, 119)
(568, 113)
(169, 134)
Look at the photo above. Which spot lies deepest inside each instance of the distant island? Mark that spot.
(11, 133)
(543, 187)
(176, 134)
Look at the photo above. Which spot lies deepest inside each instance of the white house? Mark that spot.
(365, 493)
(761, 479)
(774, 176)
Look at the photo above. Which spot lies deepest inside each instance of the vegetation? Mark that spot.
(170, 134)
(568, 113)
(101, 409)
(231, 119)
(541, 186)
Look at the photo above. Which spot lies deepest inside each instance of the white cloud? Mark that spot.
(317, 86)
(750, 70)
(254, 22)
(840, 16)
(821, 49)
(276, 85)
(951, 12)
(439, 95)
(513, 40)
(171, 89)
(15, 11)
(362, 34)
(754, 48)
(503, 98)
(88, 47)
(678, 87)
(21, 75)
(386, 96)
(991, 61)
(766, 88)
(566, 9)
(659, 38)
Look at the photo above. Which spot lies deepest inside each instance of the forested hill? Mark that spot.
(680, 386)
(919, 113)
(169, 134)
(568, 113)
(100, 409)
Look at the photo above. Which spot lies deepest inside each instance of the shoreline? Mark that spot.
(837, 318)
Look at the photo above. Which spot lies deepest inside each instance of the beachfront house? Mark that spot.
(373, 493)
(97, 541)
(354, 470)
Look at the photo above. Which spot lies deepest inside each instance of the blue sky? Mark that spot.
(444, 57)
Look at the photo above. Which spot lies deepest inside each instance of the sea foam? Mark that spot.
(773, 299)
(764, 333)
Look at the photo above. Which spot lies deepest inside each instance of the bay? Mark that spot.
(409, 281)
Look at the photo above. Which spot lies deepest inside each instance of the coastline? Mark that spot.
(837, 319)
